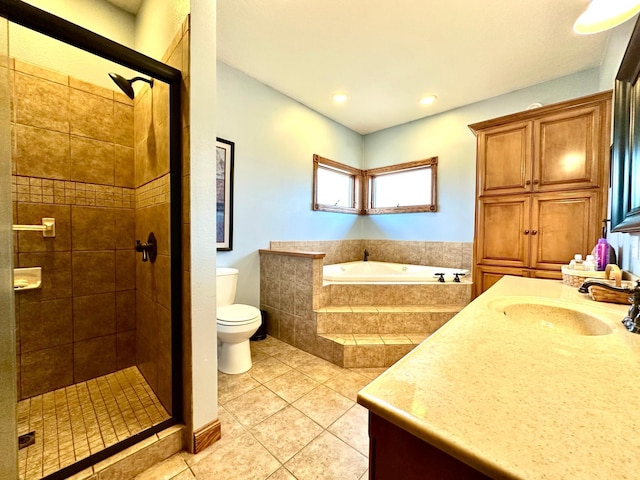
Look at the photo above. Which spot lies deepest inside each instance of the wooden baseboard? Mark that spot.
(205, 436)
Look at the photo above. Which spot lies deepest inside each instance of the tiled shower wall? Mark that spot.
(72, 159)
(437, 254)
(153, 279)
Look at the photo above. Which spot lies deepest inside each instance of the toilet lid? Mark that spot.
(237, 314)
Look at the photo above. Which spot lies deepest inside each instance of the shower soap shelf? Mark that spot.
(27, 278)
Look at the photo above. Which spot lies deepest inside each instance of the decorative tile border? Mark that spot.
(156, 192)
(64, 192)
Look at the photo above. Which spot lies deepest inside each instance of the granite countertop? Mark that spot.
(520, 401)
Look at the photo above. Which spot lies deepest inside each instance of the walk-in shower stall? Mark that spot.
(94, 174)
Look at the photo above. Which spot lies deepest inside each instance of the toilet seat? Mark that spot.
(237, 314)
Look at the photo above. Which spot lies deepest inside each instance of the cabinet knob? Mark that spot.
(535, 182)
(526, 232)
(534, 232)
(527, 182)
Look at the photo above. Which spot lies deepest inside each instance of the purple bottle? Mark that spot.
(604, 254)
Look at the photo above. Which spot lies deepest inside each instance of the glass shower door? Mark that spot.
(8, 431)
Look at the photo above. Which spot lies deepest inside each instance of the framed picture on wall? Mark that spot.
(224, 193)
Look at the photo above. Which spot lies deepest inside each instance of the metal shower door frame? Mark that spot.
(55, 27)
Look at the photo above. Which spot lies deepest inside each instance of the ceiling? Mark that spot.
(387, 55)
(131, 6)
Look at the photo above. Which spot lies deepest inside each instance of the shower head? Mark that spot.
(125, 85)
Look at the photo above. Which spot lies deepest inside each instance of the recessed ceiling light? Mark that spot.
(340, 97)
(428, 100)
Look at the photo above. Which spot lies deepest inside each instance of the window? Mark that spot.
(403, 188)
(408, 187)
(336, 187)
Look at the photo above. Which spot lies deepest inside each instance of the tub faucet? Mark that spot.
(632, 320)
(366, 255)
(457, 276)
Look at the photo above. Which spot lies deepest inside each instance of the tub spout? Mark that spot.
(366, 255)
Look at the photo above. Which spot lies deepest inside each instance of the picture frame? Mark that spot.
(225, 151)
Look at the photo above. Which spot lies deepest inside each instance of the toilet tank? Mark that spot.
(226, 282)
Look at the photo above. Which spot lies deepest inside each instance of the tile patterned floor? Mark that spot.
(292, 416)
(73, 422)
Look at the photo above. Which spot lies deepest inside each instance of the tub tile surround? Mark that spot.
(357, 326)
(440, 254)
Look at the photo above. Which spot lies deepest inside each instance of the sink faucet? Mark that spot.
(366, 255)
(632, 320)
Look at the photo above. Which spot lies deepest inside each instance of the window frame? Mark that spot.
(356, 176)
(362, 186)
(371, 174)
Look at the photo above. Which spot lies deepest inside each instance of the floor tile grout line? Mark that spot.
(324, 429)
(129, 393)
(124, 406)
(99, 406)
(115, 413)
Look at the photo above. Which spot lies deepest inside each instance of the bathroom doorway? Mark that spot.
(97, 333)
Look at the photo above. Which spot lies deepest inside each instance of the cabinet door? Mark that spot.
(504, 159)
(568, 150)
(563, 224)
(502, 231)
(548, 274)
(485, 277)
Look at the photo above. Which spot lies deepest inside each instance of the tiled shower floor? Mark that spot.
(73, 422)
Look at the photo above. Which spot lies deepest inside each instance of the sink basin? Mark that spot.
(554, 318)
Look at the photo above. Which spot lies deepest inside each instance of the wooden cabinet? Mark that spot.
(486, 276)
(394, 454)
(504, 159)
(542, 182)
(555, 153)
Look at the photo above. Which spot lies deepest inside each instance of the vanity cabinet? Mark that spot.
(395, 453)
(542, 182)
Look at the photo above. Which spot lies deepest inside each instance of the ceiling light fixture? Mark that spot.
(428, 100)
(340, 97)
(602, 15)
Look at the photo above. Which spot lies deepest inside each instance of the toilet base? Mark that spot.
(234, 358)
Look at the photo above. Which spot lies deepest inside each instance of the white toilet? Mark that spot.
(236, 323)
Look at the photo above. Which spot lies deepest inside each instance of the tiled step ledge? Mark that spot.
(369, 351)
(383, 320)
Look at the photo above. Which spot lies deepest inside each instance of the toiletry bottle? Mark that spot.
(603, 252)
(576, 263)
(589, 263)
